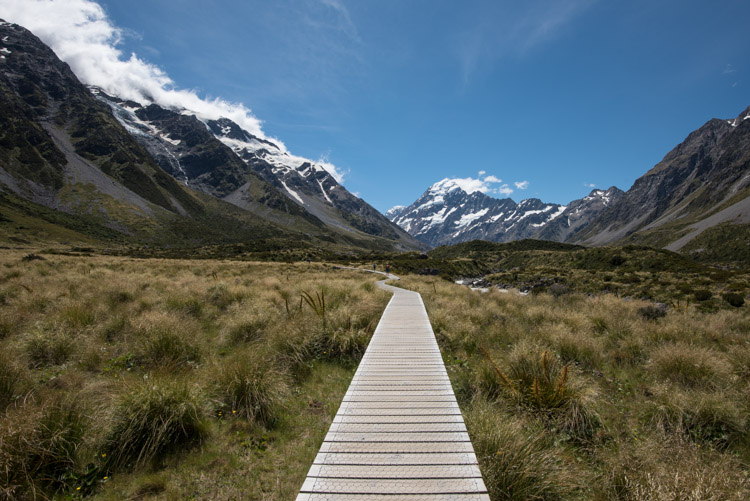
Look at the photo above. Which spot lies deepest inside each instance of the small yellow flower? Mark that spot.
(234, 412)
(104, 454)
(105, 478)
(78, 488)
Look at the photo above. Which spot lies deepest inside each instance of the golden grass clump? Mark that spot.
(250, 385)
(690, 366)
(153, 418)
(517, 463)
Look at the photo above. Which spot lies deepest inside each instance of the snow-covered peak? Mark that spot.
(445, 186)
(606, 197)
(394, 211)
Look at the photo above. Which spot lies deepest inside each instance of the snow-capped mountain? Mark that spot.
(446, 214)
(220, 158)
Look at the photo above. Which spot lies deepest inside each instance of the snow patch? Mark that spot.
(467, 219)
(495, 218)
(324, 191)
(557, 214)
(4, 50)
(292, 192)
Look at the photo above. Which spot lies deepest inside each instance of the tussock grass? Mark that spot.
(158, 354)
(46, 347)
(517, 463)
(12, 382)
(251, 386)
(153, 418)
(39, 449)
(653, 407)
(690, 366)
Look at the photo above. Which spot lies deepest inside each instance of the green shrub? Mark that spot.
(701, 418)
(702, 295)
(558, 290)
(220, 296)
(116, 297)
(734, 299)
(341, 345)
(153, 419)
(252, 387)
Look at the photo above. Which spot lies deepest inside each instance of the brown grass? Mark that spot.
(199, 381)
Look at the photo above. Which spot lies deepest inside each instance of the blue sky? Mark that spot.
(398, 94)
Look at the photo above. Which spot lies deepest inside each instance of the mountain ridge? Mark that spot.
(64, 149)
(446, 214)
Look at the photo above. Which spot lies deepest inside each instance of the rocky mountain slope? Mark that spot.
(697, 199)
(578, 214)
(218, 157)
(151, 174)
(701, 184)
(446, 214)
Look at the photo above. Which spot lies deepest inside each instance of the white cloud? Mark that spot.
(482, 183)
(82, 35)
(334, 171)
(589, 185)
(521, 185)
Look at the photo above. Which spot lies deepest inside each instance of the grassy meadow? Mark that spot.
(172, 379)
(577, 396)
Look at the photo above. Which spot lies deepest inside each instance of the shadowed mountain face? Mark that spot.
(702, 183)
(149, 174)
(219, 158)
(446, 214)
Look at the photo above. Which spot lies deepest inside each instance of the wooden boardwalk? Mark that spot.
(399, 433)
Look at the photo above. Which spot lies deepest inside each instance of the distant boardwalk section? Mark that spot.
(399, 433)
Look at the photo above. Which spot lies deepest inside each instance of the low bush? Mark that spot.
(734, 299)
(699, 417)
(702, 295)
(246, 329)
(652, 312)
(78, 316)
